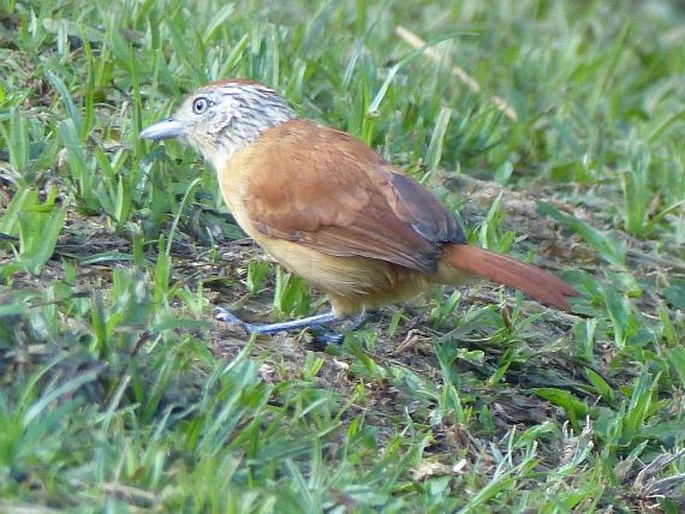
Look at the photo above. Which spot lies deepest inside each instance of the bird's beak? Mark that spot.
(165, 129)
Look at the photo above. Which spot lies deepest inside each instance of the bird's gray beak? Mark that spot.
(165, 129)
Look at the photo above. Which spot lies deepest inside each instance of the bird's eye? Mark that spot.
(201, 104)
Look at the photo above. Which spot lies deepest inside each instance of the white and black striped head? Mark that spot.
(223, 117)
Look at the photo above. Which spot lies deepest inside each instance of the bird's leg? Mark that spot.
(319, 320)
(273, 328)
(315, 323)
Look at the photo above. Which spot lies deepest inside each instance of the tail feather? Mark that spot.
(541, 285)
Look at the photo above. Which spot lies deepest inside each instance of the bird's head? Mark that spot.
(223, 117)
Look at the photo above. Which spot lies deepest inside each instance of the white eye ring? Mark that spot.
(201, 104)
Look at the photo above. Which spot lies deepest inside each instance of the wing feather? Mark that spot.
(329, 191)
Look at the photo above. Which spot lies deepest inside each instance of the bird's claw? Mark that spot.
(231, 319)
(321, 338)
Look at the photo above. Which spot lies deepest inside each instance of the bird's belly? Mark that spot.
(353, 283)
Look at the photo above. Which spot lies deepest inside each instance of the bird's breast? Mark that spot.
(233, 176)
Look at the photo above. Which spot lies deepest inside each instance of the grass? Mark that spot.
(120, 393)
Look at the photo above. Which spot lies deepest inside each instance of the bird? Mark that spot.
(330, 209)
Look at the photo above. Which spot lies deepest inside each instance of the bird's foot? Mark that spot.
(231, 319)
(321, 338)
(316, 324)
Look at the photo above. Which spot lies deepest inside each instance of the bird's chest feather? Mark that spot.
(234, 181)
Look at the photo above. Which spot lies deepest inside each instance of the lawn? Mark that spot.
(555, 129)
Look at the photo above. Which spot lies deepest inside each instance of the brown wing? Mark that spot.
(327, 190)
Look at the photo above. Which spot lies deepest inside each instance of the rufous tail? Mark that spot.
(541, 285)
